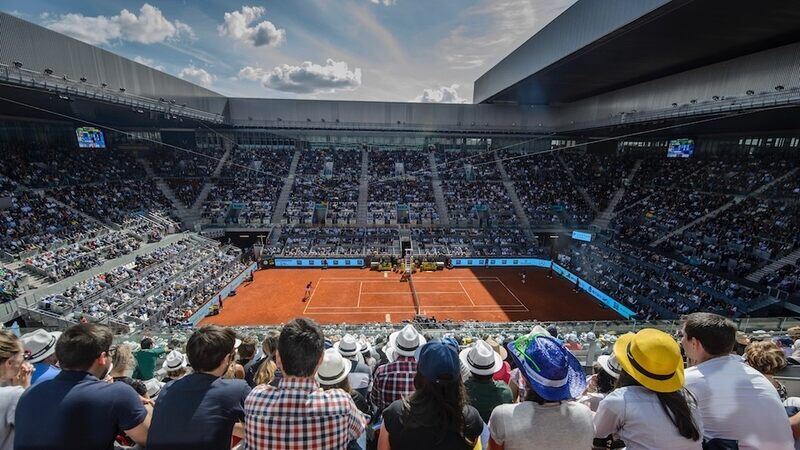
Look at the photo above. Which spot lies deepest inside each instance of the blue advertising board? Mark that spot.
(582, 236)
(499, 262)
(594, 292)
(317, 262)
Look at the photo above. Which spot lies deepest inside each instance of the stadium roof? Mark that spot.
(598, 46)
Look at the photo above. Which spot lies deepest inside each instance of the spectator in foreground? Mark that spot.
(333, 374)
(123, 364)
(330, 419)
(483, 392)
(602, 382)
(395, 380)
(15, 377)
(266, 370)
(649, 408)
(175, 366)
(146, 358)
(201, 411)
(436, 415)
(547, 417)
(41, 346)
(754, 417)
(77, 409)
(360, 376)
(767, 358)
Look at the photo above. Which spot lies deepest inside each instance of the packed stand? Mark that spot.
(114, 201)
(34, 222)
(742, 238)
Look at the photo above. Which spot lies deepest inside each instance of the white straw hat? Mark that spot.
(406, 341)
(334, 368)
(481, 359)
(348, 346)
(175, 360)
(39, 344)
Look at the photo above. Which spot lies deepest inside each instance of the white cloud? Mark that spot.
(307, 78)
(149, 27)
(383, 2)
(148, 62)
(196, 75)
(491, 29)
(240, 26)
(444, 94)
(253, 73)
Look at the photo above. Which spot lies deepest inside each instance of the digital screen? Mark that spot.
(680, 148)
(582, 236)
(317, 262)
(89, 137)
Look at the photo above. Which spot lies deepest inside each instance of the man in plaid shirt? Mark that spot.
(298, 414)
(395, 380)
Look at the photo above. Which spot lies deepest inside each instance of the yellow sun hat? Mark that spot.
(652, 358)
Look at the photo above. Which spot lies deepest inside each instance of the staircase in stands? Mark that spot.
(363, 190)
(436, 183)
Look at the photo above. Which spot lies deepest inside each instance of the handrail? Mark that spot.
(64, 86)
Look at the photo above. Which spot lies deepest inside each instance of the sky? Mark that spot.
(379, 50)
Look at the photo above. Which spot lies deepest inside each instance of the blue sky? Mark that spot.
(382, 50)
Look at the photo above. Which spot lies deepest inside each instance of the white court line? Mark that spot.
(515, 296)
(312, 295)
(466, 293)
(418, 292)
(346, 280)
(360, 285)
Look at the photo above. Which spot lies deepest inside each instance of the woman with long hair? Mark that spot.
(650, 409)
(267, 371)
(15, 377)
(436, 415)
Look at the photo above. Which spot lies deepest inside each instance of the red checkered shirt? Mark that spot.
(393, 381)
(299, 415)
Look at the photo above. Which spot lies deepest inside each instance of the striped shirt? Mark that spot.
(299, 415)
(393, 381)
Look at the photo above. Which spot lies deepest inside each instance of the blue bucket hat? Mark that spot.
(550, 369)
(437, 358)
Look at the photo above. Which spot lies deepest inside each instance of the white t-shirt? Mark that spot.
(528, 426)
(737, 402)
(636, 415)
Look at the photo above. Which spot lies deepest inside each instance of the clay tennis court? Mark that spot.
(360, 295)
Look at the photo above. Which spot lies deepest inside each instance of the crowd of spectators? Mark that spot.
(479, 204)
(32, 221)
(312, 387)
(742, 238)
(49, 167)
(653, 285)
(186, 190)
(173, 163)
(114, 201)
(163, 287)
(311, 242)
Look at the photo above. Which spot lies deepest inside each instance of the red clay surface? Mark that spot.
(359, 295)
